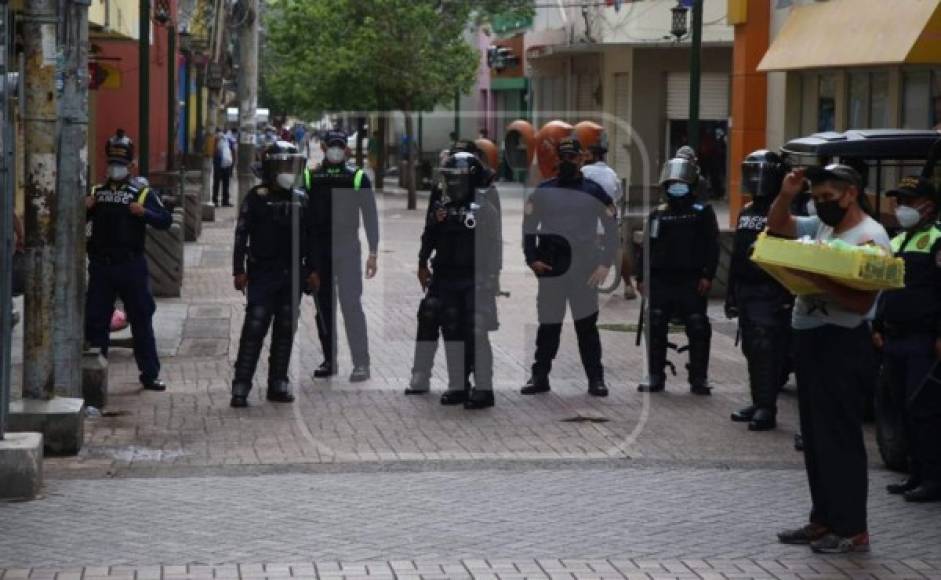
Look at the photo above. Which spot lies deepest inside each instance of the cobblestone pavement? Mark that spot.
(597, 513)
(357, 481)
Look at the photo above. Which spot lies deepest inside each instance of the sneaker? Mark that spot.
(804, 535)
(834, 544)
(325, 370)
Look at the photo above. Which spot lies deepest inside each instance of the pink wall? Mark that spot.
(119, 107)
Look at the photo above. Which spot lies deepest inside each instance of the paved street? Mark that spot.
(560, 485)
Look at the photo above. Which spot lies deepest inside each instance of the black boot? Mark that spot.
(744, 414)
(325, 370)
(479, 399)
(454, 397)
(280, 392)
(279, 355)
(699, 333)
(359, 374)
(657, 354)
(419, 384)
(763, 420)
(537, 383)
(904, 486)
(254, 328)
(597, 388)
(153, 384)
(240, 394)
(926, 492)
(652, 384)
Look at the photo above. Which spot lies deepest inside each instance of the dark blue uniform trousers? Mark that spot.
(128, 280)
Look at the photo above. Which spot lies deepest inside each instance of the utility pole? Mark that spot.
(143, 140)
(39, 40)
(70, 212)
(213, 78)
(6, 222)
(247, 94)
(694, 75)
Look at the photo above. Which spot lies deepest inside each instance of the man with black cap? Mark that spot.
(120, 211)
(339, 195)
(832, 336)
(561, 246)
(908, 330)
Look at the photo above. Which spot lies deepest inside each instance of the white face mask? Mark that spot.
(117, 172)
(336, 154)
(907, 216)
(285, 180)
(811, 208)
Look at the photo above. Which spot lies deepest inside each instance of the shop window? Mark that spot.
(868, 100)
(921, 99)
(826, 102)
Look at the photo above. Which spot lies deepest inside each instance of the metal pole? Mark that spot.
(248, 95)
(187, 84)
(39, 129)
(6, 221)
(70, 213)
(143, 138)
(215, 52)
(694, 75)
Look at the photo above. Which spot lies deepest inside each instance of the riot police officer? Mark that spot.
(120, 211)
(464, 234)
(339, 195)
(908, 329)
(272, 262)
(429, 325)
(684, 255)
(762, 305)
(562, 248)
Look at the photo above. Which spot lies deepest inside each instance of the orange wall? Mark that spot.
(749, 96)
(119, 107)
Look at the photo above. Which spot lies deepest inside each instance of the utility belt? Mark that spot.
(113, 258)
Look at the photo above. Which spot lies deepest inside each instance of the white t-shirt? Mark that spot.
(603, 175)
(816, 310)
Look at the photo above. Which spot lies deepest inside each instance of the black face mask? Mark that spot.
(830, 212)
(568, 171)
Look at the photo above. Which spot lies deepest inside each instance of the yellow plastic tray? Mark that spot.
(854, 269)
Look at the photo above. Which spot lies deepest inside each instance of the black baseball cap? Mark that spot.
(335, 137)
(569, 146)
(834, 172)
(914, 186)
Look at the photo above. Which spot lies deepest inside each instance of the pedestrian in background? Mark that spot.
(832, 336)
(223, 159)
(908, 331)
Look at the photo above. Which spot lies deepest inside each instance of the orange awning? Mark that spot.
(846, 33)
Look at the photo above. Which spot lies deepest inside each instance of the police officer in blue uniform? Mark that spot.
(429, 324)
(561, 247)
(761, 303)
(272, 262)
(684, 255)
(463, 232)
(339, 195)
(908, 329)
(120, 211)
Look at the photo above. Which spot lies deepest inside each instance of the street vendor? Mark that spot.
(831, 335)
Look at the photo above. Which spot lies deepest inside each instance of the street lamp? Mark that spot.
(679, 28)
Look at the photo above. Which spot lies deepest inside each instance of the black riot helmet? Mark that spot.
(460, 175)
(280, 160)
(762, 174)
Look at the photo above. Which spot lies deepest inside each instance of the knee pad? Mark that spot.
(698, 327)
(429, 309)
(450, 321)
(256, 320)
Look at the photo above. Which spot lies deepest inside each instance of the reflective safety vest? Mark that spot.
(917, 306)
(357, 178)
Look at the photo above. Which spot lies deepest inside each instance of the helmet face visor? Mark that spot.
(456, 183)
(752, 178)
(679, 170)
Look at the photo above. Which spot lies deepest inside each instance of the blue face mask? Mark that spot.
(678, 189)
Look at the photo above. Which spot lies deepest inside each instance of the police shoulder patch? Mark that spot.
(922, 242)
(698, 206)
(262, 191)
